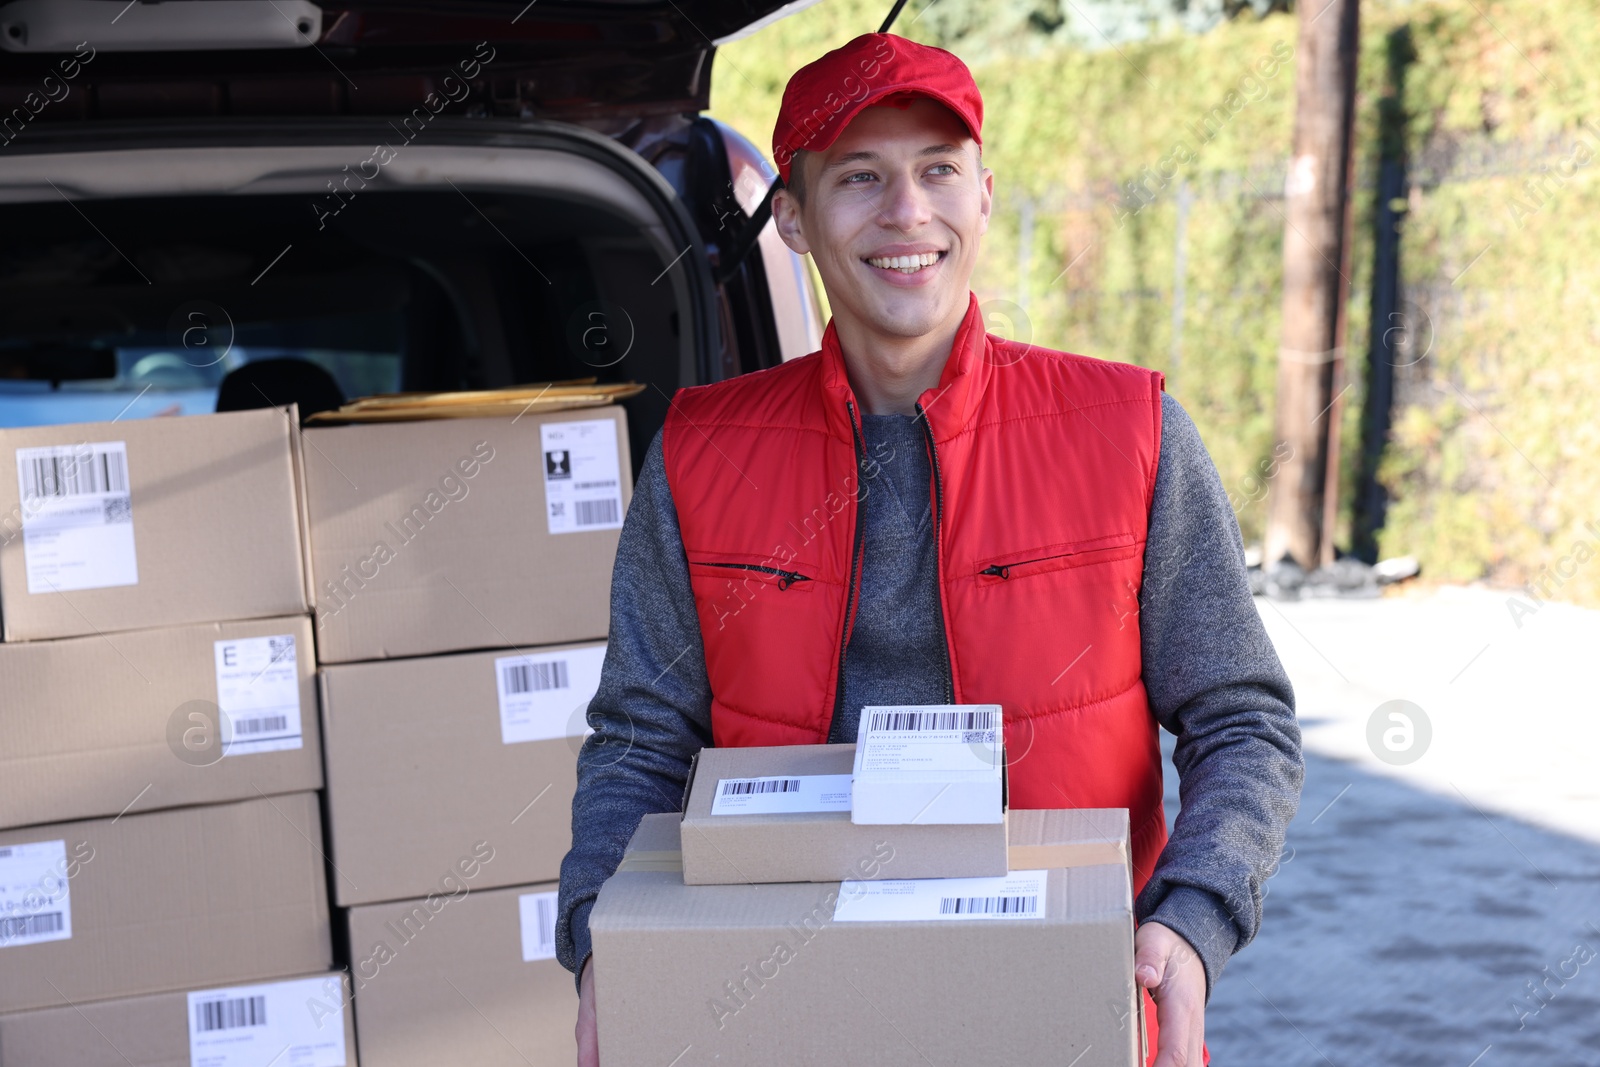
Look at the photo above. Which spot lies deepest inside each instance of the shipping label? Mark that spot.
(258, 694)
(782, 793)
(77, 517)
(35, 898)
(267, 1023)
(919, 738)
(1018, 895)
(538, 926)
(544, 695)
(582, 476)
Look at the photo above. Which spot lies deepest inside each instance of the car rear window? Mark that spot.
(157, 377)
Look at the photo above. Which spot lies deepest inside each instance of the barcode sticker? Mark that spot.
(299, 1022)
(582, 476)
(944, 738)
(538, 926)
(230, 1013)
(35, 898)
(735, 787)
(765, 796)
(934, 720)
(77, 517)
(258, 694)
(543, 695)
(530, 677)
(1018, 895)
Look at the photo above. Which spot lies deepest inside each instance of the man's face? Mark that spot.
(893, 213)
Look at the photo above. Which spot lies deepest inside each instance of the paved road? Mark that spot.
(1417, 907)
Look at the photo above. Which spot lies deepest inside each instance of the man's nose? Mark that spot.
(905, 204)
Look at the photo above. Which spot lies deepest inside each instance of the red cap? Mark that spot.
(875, 68)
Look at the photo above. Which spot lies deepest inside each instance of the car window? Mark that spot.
(183, 378)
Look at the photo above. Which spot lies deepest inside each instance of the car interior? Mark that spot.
(433, 290)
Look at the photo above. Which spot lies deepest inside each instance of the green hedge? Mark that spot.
(1490, 462)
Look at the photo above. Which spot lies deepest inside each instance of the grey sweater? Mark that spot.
(1210, 671)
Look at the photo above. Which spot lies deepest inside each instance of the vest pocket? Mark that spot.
(1025, 563)
(748, 572)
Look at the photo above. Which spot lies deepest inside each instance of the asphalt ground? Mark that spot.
(1440, 906)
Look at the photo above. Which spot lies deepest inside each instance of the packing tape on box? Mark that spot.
(664, 860)
(1080, 854)
(1019, 857)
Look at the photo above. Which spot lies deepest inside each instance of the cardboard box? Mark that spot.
(434, 760)
(131, 722)
(886, 973)
(181, 899)
(307, 1014)
(783, 815)
(453, 534)
(937, 764)
(112, 526)
(469, 979)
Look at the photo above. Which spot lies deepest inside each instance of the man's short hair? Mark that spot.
(797, 181)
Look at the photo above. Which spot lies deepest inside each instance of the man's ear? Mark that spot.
(786, 215)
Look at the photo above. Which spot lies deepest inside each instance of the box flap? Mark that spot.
(1067, 837)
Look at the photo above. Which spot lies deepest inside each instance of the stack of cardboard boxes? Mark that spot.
(779, 919)
(206, 619)
(163, 895)
(461, 576)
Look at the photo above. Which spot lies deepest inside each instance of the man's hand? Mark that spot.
(1164, 964)
(588, 1037)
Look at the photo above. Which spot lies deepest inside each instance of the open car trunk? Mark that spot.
(494, 253)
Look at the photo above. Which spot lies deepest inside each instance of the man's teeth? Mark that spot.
(906, 264)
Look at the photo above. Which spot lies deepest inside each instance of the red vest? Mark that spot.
(1043, 469)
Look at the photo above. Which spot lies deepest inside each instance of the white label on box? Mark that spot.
(538, 926)
(545, 695)
(258, 695)
(582, 478)
(77, 517)
(298, 1023)
(766, 796)
(947, 738)
(1018, 895)
(35, 901)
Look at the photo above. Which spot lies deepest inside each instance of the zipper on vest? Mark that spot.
(855, 560)
(785, 578)
(1094, 550)
(1003, 570)
(938, 536)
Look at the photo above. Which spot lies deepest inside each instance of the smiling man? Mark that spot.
(923, 513)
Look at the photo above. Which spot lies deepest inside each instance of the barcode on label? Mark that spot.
(230, 1014)
(535, 677)
(545, 909)
(79, 472)
(261, 726)
(608, 483)
(734, 787)
(280, 646)
(980, 719)
(595, 512)
(1028, 905)
(538, 911)
(30, 925)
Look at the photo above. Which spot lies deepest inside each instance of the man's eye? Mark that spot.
(943, 169)
(851, 178)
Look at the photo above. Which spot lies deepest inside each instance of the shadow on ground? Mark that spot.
(1408, 928)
